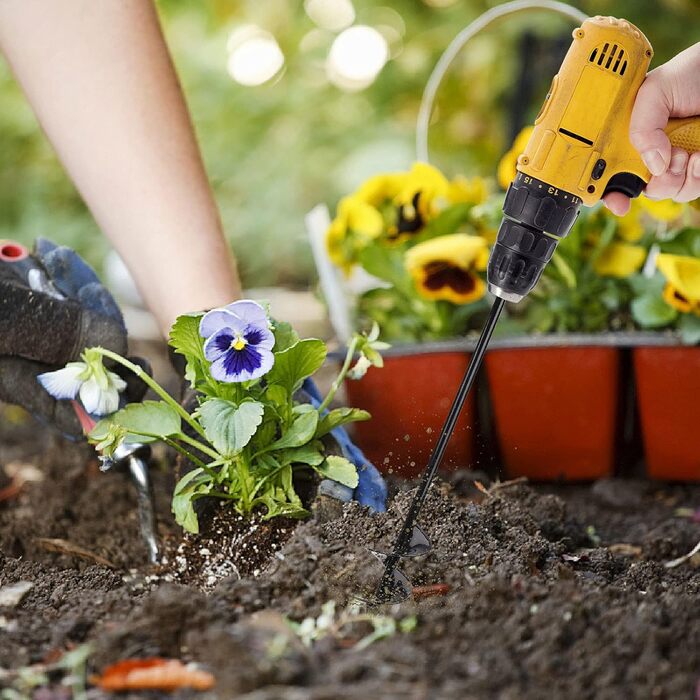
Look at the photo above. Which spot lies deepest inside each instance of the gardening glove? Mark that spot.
(53, 306)
(371, 490)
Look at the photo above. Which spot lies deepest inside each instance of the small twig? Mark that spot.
(500, 485)
(681, 560)
(65, 547)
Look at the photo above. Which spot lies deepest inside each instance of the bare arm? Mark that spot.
(101, 82)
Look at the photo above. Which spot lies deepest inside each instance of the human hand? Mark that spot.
(52, 306)
(671, 90)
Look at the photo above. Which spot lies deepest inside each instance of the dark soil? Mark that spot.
(554, 592)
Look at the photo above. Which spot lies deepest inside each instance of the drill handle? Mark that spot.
(684, 133)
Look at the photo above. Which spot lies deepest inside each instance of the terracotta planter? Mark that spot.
(555, 410)
(409, 399)
(668, 390)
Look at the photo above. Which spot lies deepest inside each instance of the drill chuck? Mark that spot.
(536, 216)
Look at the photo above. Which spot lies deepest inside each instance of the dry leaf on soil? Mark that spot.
(153, 674)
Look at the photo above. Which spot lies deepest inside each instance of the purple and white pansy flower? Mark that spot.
(97, 387)
(238, 341)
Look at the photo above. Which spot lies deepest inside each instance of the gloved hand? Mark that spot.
(371, 489)
(53, 306)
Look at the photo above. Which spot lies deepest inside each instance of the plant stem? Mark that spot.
(244, 476)
(349, 355)
(198, 445)
(274, 472)
(188, 455)
(157, 388)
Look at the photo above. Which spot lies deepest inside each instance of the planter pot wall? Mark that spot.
(668, 389)
(409, 399)
(555, 410)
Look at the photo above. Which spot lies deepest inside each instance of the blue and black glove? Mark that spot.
(371, 489)
(53, 306)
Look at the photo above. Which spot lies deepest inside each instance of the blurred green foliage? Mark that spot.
(275, 150)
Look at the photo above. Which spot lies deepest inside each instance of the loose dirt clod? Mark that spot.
(12, 595)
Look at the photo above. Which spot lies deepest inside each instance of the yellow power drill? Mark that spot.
(579, 151)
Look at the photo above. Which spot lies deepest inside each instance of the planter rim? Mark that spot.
(622, 339)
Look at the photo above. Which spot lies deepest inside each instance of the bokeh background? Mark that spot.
(297, 102)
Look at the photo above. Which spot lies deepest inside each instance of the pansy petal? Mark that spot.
(63, 383)
(242, 365)
(218, 344)
(93, 398)
(261, 338)
(116, 381)
(249, 311)
(266, 359)
(97, 401)
(683, 272)
(216, 319)
(620, 260)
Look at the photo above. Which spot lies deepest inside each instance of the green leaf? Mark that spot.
(193, 485)
(387, 264)
(296, 363)
(339, 469)
(185, 340)
(651, 311)
(302, 430)
(567, 274)
(277, 395)
(340, 416)
(268, 430)
(689, 327)
(447, 222)
(155, 418)
(686, 241)
(306, 454)
(230, 427)
(285, 336)
(642, 285)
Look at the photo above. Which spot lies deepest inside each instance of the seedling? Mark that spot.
(23, 682)
(336, 624)
(253, 426)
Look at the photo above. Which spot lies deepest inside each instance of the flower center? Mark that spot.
(238, 343)
(439, 274)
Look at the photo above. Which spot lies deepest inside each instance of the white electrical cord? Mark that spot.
(457, 44)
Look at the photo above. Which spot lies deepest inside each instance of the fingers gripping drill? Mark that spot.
(579, 151)
(132, 457)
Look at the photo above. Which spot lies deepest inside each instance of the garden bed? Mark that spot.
(554, 592)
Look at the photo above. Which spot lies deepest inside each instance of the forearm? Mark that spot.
(101, 82)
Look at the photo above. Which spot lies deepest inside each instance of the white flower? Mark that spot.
(97, 387)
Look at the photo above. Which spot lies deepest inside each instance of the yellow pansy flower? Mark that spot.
(675, 299)
(682, 273)
(355, 224)
(661, 210)
(507, 165)
(464, 190)
(630, 227)
(380, 188)
(422, 192)
(620, 260)
(446, 267)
